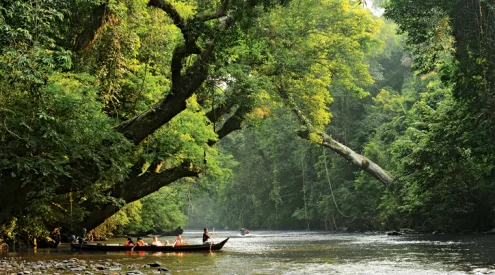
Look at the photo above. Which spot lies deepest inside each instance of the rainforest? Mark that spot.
(142, 116)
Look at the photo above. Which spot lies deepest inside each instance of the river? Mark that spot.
(290, 252)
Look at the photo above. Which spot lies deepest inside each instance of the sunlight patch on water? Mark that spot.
(385, 267)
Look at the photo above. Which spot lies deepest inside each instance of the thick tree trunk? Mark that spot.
(135, 188)
(138, 186)
(141, 126)
(184, 84)
(84, 39)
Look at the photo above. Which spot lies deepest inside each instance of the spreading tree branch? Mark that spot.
(171, 11)
(219, 14)
(135, 188)
(233, 123)
(143, 125)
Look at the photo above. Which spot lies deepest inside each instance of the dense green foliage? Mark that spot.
(104, 104)
(61, 155)
(430, 126)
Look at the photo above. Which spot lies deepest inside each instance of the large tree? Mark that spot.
(107, 113)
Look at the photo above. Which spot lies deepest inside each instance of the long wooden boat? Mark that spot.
(165, 248)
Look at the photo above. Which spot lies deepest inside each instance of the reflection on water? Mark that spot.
(282, 252)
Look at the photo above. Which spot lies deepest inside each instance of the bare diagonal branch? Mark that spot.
(350, 155)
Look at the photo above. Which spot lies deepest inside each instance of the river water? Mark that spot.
(289, 252)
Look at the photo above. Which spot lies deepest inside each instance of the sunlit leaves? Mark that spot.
(390, 102)
(316, 45)
(184, 139)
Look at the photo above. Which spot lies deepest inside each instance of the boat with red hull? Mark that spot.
(165, 248)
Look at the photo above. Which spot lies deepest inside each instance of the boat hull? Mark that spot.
(118, 247)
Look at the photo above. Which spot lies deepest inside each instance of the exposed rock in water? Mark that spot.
(407, 231)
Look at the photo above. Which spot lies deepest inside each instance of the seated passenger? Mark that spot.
(179, 241)
(129, 242)
(158, 243)
(140, 242)
(83, 237)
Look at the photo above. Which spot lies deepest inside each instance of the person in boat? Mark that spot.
(140, 242)
(242, 230)
(82, 238)
(179, 241)
(206, 237)
(159, 243)
(246, 232)
(129, 242)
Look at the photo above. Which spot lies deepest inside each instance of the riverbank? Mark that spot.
(14, 265)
